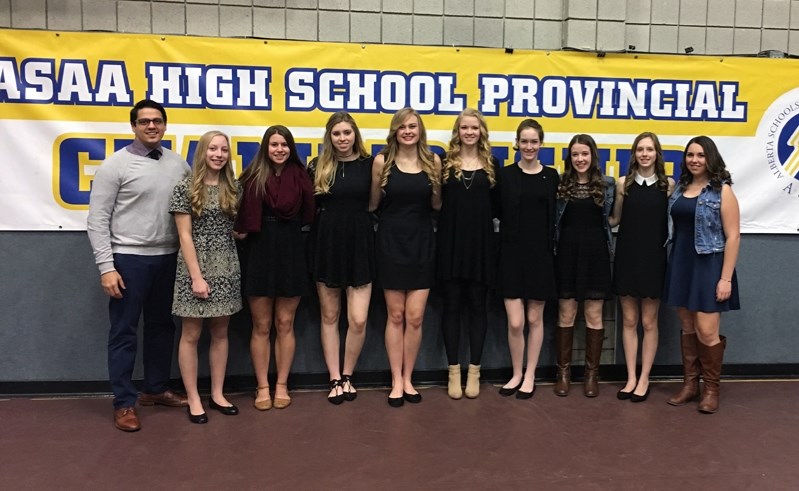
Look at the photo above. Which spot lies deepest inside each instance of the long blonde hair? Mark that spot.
(427, 159)
(454, 163)
(327, 163)
(261, 167)
(198, 192)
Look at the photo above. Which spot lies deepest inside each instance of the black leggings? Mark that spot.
(456, 292)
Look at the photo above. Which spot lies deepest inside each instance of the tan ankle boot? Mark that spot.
(564, 338)
(454, 389)
(710, 358)
(473, 381)
(593, 352)
(690, 367)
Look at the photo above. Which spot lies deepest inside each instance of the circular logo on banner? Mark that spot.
(778, 136)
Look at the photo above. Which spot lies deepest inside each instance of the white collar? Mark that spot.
(648, 180)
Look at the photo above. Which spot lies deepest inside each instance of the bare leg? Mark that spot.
(330, 309)
(649, 346)
(593, 313)
(217, 358)
(395, 326)
(357, 314)
(260, 342)
(285, 309)
(707, 327)
(535, 338)
(514, 309)
(629, 309)
(187, 360)
(567, 312)
(415, 303)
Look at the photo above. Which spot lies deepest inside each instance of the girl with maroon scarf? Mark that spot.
(278, 200)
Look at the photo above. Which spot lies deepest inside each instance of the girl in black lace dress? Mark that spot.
(582, 262)
(640, 262)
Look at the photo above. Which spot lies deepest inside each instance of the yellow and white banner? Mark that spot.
(65, 100)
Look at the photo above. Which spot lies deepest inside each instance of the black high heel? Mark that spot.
(198, 419)
(412, 398)
(623, 396)
(346, 383)
(231, 410)
(395, 401)
(338, 398)
(520, 394)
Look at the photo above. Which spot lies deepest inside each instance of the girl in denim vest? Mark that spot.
(704, 231)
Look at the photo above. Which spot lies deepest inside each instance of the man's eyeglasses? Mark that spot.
(144, 122)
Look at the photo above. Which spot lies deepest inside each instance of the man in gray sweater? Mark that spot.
(135, 247)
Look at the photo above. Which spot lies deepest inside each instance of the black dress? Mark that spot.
(465, 237)
(582, 263)
(526, 261)
(405, 243)
(276, 260)
(691, 278)
(342, 236)
(640, 262)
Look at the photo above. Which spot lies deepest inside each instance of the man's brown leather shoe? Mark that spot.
(167, 398)
(125, 419)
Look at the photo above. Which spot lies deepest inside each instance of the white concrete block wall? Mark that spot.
(717, 27)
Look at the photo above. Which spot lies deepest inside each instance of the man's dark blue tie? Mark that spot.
(154, 154)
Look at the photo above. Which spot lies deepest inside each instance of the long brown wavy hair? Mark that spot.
(198, 192)
(660, 165)
(716, 168)
(426, 157)
(261, 167)
(327, 163)
(454, 163)
(568, 182)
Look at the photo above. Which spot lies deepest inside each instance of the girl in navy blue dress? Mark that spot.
(406, 178)
(704, 231)
(342, 242)
(640, 266)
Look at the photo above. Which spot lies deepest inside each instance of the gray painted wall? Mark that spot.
(54, 318)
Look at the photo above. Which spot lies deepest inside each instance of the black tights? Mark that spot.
(456, 292)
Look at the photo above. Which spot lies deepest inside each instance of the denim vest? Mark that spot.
(607, 208)
(708, 231)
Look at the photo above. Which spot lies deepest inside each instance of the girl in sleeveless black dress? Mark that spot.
(278, 200)
(640, 260)
(465, 251)
(527, 191)
(582, 262)
(342, 247)
(406, 177)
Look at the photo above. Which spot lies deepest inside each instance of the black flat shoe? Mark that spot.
(338, 398)
(412, 398)
(198, 419)
(348, 388)
(623, 396)
(396, 401)
(637, 398)
(520, 394)
(226, 410)
(509, 391)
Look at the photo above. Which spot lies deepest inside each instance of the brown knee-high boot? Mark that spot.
(593, 352)
(710, 358)
(690, 367)
(564, 338)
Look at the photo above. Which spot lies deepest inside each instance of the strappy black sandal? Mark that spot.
(348, 388)
(336, 398)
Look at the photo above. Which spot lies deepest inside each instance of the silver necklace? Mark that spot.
(467, 181)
